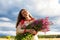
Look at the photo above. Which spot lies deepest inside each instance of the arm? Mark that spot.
(19, 30)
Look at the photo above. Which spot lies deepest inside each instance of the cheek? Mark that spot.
(23, 15)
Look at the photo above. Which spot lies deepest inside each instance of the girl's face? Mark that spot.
(25, 13)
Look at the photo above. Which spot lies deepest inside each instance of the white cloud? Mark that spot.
(7, 24)
(56, 25)
(54, 29)
(41, 7)
(54, 33)
(6, 5)
(49, 33)
(15, 13)
(44, 7)
(56, 21)
(53, 9)
(5, 19)
(11, 33)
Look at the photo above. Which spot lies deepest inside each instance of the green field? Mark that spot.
(41, 37)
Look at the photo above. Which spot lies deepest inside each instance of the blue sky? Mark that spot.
(9, 10)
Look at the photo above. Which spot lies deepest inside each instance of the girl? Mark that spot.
(24, 18)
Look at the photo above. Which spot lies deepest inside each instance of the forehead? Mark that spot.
(24, 11)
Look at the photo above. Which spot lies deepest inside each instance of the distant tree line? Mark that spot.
(48, 36)
(39, 36)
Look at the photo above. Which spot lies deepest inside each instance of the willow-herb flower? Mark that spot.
(38, 25)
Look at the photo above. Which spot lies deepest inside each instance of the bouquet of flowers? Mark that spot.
(38, 25)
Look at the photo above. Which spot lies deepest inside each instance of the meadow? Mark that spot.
(41, 37)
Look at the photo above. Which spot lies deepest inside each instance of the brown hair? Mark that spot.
(20, 17)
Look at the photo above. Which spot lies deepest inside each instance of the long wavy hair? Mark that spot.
(20, 17)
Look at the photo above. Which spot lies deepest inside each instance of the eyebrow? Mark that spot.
(23, 11)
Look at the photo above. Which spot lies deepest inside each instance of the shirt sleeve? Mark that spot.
(18, 29)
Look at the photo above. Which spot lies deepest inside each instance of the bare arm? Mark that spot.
(19, 30)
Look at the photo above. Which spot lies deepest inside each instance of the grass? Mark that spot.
(41, 37)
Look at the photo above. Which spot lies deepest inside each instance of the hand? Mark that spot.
(32, 31)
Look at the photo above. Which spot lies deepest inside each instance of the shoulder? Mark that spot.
(21, 22)
(32, 18)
